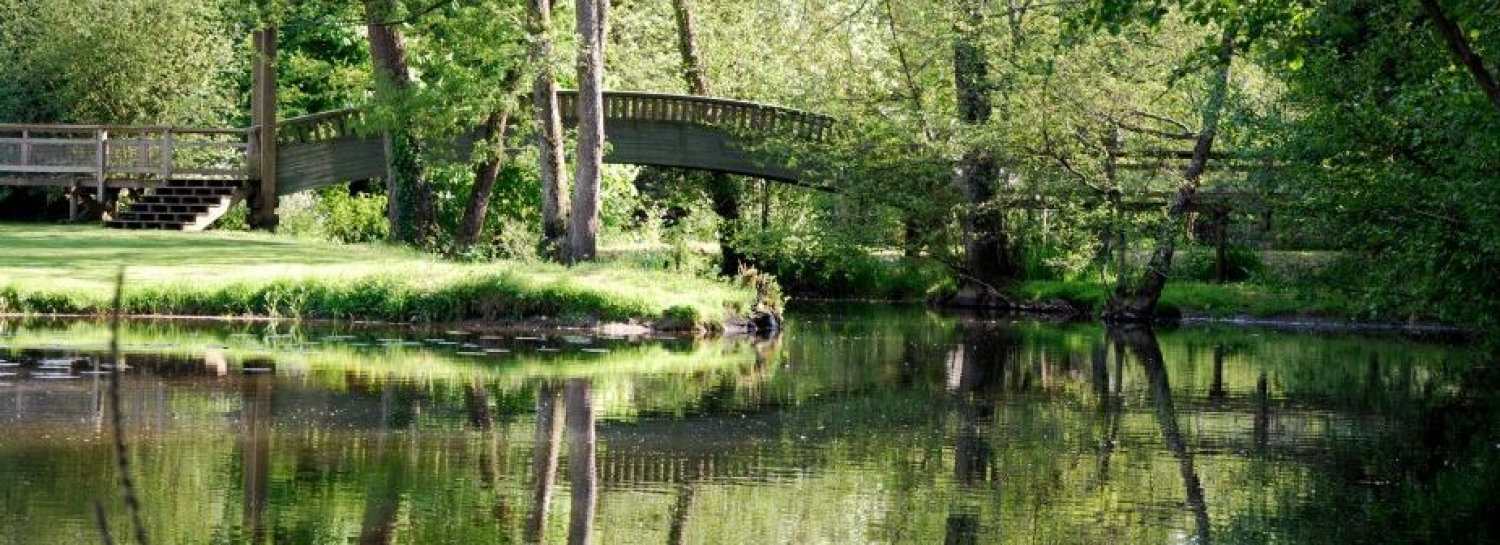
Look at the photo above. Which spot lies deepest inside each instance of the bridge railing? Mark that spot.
(64, 155)
(718, 112)
(320, 127)
(733, 115)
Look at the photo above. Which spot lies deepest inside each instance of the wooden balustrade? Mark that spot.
(72, 155)
(733, 115)
(320, 127)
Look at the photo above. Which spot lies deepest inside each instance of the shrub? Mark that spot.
(1197, 263)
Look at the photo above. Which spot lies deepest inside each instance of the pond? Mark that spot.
(858, 425)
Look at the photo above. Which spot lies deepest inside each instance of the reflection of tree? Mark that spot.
(255, 452)
(1111, 403)
(1262, 413)
(477, 405)
(383, 496)
(1216, 391)
(1143, 342)
(544, 460)
(687, 493)
(976, 371)
(581, 474)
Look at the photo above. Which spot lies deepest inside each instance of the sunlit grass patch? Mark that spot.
(71, 269)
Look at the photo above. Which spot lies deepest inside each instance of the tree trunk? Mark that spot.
(583, 233)
(1458, 44)
(550, 133)
(722, 189)
(485, 175)
(687, 46)
(581, 474)
(987, 258)
(544, 461)
(1139, 304)
(410, 208)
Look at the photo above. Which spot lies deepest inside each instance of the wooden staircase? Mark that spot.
(180, 205)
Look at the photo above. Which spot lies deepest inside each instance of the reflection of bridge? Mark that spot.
(192, 176)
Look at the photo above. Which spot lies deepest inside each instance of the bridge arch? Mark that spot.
(649, 129)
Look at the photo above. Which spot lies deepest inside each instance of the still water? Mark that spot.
(858, 425)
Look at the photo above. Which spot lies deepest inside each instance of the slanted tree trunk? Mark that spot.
(485, 174)
(722, 190)
(1458, 44)
(988, 260)
(550, 132)
(410, 209)
(1138, 304)
(583, 231)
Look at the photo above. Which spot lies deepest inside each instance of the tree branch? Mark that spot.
(1458, 43)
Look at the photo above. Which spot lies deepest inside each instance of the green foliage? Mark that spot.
(1308, 300)
(352, 218)
(1389, 147)
(121, 62)
(808, 270)
(1198, 263)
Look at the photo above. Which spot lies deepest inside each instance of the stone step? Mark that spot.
(232, 184)
(170, 191)
(208, 200)
(132, 215)
(135, 224)
(170, 208)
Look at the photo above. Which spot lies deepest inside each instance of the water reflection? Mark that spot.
(1143, 342)
(892, 427)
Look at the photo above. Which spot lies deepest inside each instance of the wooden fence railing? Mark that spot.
(64, 155)
(718, 112)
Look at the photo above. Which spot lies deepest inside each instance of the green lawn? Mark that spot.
(1210, 299)
(71, 269)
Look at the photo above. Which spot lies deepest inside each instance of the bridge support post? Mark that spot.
(263, 117)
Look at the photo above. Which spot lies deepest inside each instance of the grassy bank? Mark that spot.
(71, 269)
(1210, 299)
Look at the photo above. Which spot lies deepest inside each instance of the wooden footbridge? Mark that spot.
(186, 178)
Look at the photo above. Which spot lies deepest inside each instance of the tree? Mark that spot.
(1389, 152)
(411, 210)
(583, 233)
(1138, 303)
(988, 258)
(550, 154)
(124, 62)
(491, 134)
(722, 189)
(1458, 43)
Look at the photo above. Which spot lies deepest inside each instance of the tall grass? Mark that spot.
(66, 270)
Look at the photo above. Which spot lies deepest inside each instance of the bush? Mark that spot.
(1197, 263)
(353, 218)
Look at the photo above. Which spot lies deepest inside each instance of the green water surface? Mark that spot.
(858, 425)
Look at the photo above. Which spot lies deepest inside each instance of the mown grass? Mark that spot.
(71, 270)
(1210, 299)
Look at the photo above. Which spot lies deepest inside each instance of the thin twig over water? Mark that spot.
(117, 419)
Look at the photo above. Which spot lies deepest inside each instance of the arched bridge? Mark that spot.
(652, 129)
(194, 175)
